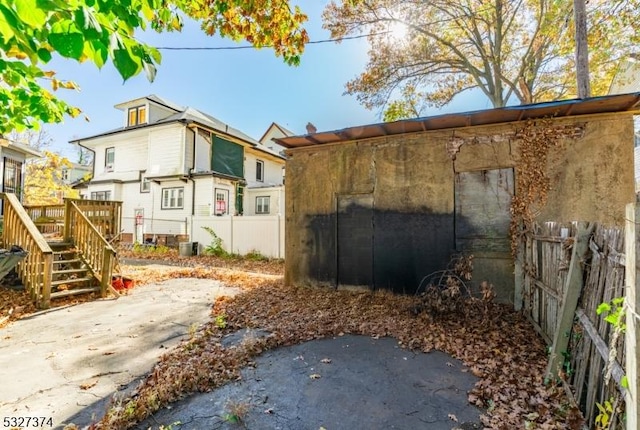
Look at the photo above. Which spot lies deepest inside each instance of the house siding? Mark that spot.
(129, 159)
(272, 170)
(167, 151)
(410, 179)
(203, 154)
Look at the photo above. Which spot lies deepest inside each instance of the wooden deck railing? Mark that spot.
(104, 214)
(95, 249)
(36, 269)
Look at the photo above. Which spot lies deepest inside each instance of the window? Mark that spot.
(109, 158)
(12, 175)
(145, 184)
(222, 202)
(259, 171)
(64, 175)
(172, 198)
(137, 115)
(262, 204)
(101, 195)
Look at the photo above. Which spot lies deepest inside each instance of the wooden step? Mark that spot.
(69, 271)
(70, 281)
(71, 261)
(66, 252)
(74, 292)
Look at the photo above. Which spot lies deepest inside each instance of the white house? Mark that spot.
(627, 80)
(13, 156)
(170, 164)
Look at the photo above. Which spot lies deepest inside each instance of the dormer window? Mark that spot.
(137, 116)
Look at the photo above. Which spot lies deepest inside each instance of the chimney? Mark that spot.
(311, 128)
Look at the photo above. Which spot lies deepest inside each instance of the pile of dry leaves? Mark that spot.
(498, 346)
(274, 266)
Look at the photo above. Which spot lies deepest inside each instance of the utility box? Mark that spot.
(185, 249)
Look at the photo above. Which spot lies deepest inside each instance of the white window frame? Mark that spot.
(101, 195)
(172, 198)
(263, 205)
(224, 194)
(145, 184)
(109, 158)
(259, 170)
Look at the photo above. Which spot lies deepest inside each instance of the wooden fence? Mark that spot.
(568, 270)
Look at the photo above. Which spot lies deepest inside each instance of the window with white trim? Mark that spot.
(109, 158)
(64, 174)
(262, 204)
(259, 170)
(137, 116)
(101, 195)
(222, 201)
(173, 198)
(145, 184)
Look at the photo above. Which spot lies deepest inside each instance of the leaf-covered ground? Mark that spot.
(498, 345)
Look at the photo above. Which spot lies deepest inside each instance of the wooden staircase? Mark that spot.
(70, 275)
(79, 261)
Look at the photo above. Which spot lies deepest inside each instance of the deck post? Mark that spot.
(67, 220)
(106, 271)
(47, 276)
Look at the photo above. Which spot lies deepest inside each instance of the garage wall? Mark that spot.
(411, 181)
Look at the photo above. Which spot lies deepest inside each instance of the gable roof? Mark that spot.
(187, 115)
(283, 130)
(20, 147)
(562, 108)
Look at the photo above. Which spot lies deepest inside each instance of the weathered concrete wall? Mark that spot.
(411, 180)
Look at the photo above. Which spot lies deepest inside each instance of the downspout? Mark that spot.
(194, 130)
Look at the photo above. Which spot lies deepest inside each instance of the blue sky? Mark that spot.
(247, 89)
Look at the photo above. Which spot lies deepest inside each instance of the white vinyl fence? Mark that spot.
(242, 234)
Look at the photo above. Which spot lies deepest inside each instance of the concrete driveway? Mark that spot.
(66, 363)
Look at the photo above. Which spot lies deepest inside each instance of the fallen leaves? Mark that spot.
(500, 348)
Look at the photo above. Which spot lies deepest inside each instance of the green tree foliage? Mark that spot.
(102, 31)
(509, 49)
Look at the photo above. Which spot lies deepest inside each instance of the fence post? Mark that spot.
(632, 303)
(518, 273)
(573, 287)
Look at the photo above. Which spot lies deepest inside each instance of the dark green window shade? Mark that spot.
(227, 157)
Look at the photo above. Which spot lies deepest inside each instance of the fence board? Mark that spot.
(545, 266)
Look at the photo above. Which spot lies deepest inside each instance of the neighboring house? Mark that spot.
(627, 80)
(275, 131)
(13, 156)
(387, 205)
(168, 163)
(76, 173)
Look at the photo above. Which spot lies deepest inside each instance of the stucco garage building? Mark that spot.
(384, 205)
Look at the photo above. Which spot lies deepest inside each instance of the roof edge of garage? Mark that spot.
(563, 108)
